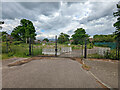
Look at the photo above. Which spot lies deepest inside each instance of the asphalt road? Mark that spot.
(48, 73)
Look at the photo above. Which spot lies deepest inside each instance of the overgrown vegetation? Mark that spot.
(19, 50)
(108, 55)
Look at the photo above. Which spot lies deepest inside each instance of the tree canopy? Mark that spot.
(104, 38)
(24, 31)
(117, 24)
(46, 39)
(79, 36)
(63, 38)
(3, 35)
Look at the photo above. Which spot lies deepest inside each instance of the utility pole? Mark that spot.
(56, 46)
(85, 55)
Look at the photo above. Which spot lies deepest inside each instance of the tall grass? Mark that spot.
(108, 55)
(19, 50)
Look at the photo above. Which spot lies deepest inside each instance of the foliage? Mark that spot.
(103, 38)
(17, 42)
(24, 31)
(46, 39)
(90, 46)
(3, 35)
(63, 38)
(95, 56)
(76, 47)
(79, 36)
(108, 55)
(117, 24)
(19, 50)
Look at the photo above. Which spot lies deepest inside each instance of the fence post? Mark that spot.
(56, 45)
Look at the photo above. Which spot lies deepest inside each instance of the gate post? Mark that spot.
(29, 45)
(56, 46)
(85, 48)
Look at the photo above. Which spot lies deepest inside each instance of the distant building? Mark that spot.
(71, 41)
(91, 39)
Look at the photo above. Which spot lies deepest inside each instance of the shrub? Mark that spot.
(17, 42)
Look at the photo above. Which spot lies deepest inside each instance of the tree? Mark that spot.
(4, 34)
(45, 39)
(63, 38)
(117, 26)
(24, 31)
(104, 38)
(79, 36)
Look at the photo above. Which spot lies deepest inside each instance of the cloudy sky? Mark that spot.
(52, 18)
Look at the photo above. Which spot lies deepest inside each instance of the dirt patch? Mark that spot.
(84, 66)
(109, 60)
(26, 61)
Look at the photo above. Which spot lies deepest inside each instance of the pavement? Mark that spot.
(48, 73)
(106, 71)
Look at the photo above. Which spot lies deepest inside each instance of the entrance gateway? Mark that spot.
(73, 50)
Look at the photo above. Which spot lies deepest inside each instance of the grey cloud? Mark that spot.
(99, 10)
(14, 10)
(29, 10)
(98, 21)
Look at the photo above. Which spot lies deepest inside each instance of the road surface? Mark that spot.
(48, 73)
(106, 71)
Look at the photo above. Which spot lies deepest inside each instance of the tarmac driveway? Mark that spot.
(48, 73)
(106, 71)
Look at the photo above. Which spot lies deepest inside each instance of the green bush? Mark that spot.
(10, 54)
(17, 42)
(76, 47)
(97, 56)
(37, 51)
(108, 55)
